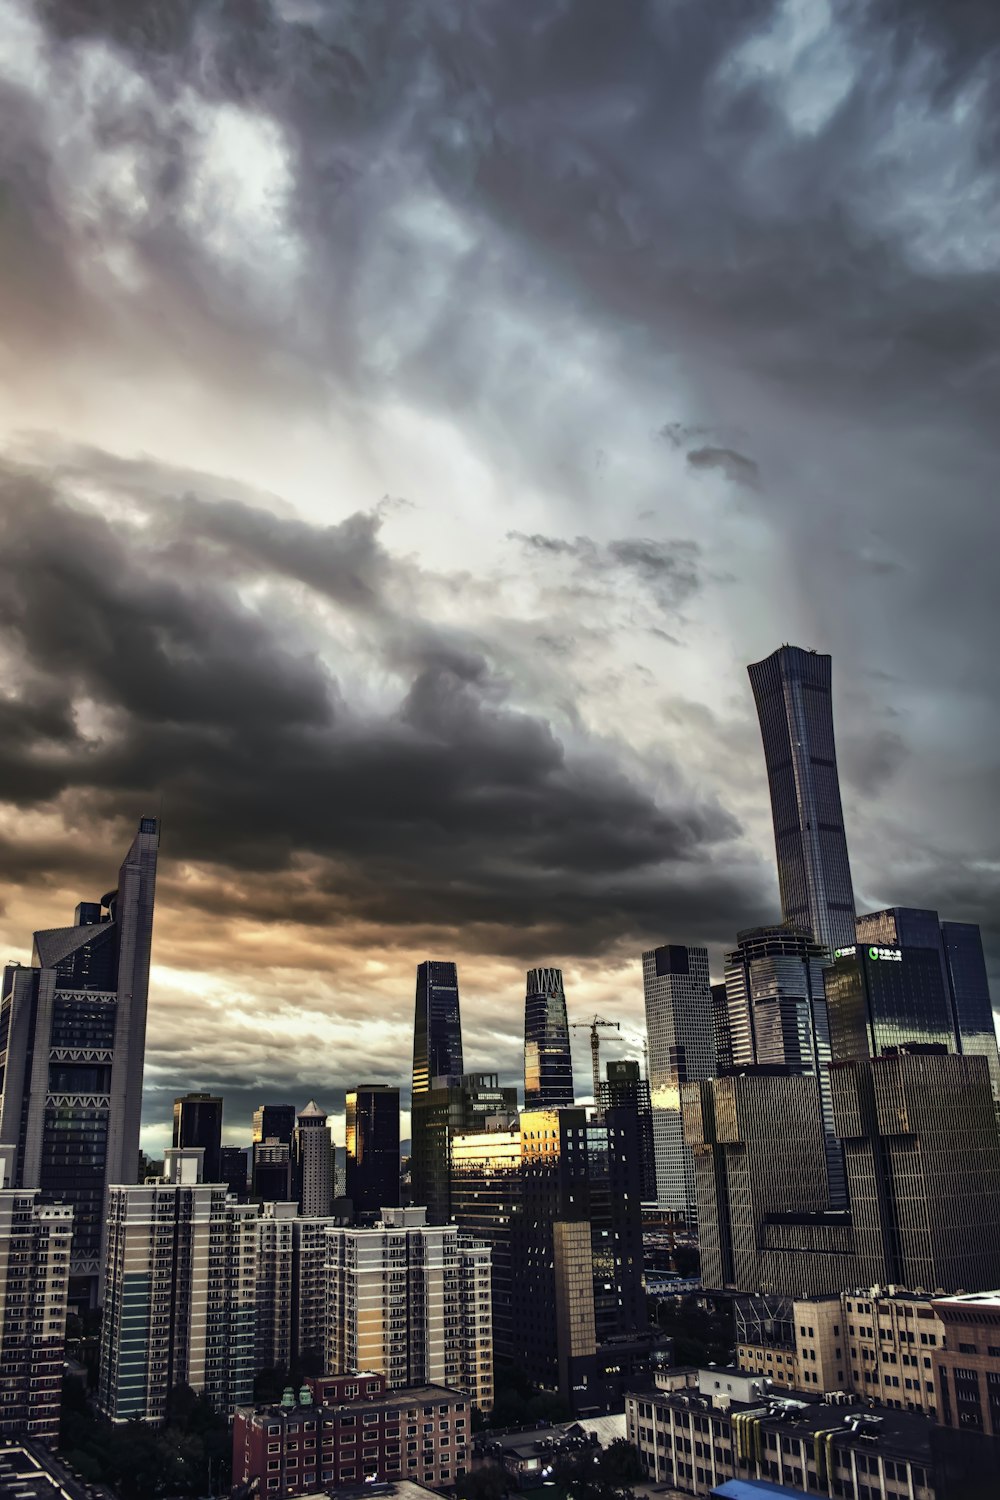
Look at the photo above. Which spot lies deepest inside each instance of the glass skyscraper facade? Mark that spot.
(451, 1107)
(437, 1025)
(73, 1033)
(548, 1065)
(681, 1038)
(940, 994)
(792, 691)
(198, 1122)
(970, 995)
(881, 997)
(372, 1135)
(777, 1014)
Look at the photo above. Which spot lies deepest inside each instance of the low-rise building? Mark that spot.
(695, 1442)
(351, 1429)
(880, 1343)
(968, 1363)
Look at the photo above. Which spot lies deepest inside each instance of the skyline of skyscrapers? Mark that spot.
(792, 691)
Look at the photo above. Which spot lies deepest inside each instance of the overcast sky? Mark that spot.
(414, 417)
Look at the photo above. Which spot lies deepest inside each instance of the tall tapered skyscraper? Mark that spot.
(792, 691)
(548, 1066)
(73, 1027)
(437, 1025)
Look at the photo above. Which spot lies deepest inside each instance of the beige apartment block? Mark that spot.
(411, 1301)
(881, 1343)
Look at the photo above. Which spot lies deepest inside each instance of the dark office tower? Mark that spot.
(923, 1166)
(437, 1026)
(885, 995)
(557, 1198)
(73, 1028)
(625, 1090)
(274, 1122)
(777, 1015)
(764, 1219)
(970, 996)
(233, 1170)
(792, 691)
(474, 1102)
(198, 1122)
(681, 1041)
(959, 948)
(548, 1065)
(722, 1030)
(272, 1172)
(373, 1148)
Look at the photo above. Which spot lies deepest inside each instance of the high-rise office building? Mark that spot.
(411, 1301)
(476, 1101)
(233, 1169)
(35, 1241)
(777, 1013)
(558, 1200)
(970, 996)
(957, 1012)
(373, 1147)
(437, 1026)
(764, 1217)
(792, 691)
(922, 1158)
(271, 1166)
(274, 1122)
(922, 1169)
(626, 1089)
(179, 1294)
(721, 1028)
(681, 1040)
(882, 996)
(73, 1029)
(198, 1122)
(548, 1065)
(313, 1162)
(272, 1172)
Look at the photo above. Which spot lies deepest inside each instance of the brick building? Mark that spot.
(968, 1367)
(349, 1430)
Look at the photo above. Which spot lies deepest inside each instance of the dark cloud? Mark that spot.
(735, 466)
(670, 571)
(450, 806)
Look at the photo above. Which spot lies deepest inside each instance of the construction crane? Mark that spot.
(595, 1046)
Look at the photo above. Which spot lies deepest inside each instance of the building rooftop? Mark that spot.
(407, 1396)
(30, 1472)
(989, 1301)
(864, 1424)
